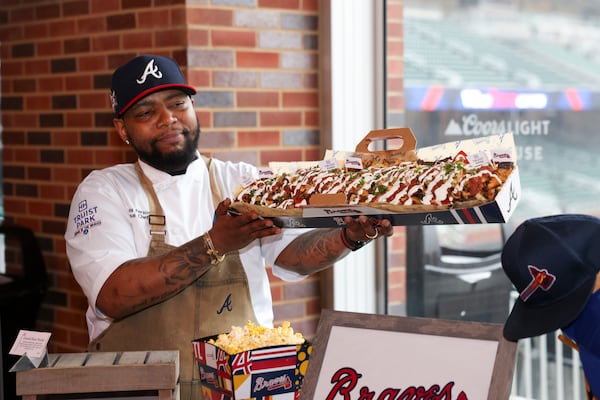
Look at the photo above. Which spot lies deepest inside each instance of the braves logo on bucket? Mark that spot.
(279, 382)
(541, 279)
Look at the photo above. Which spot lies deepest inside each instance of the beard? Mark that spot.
(174, 162)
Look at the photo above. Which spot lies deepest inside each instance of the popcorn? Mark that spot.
(252, 336)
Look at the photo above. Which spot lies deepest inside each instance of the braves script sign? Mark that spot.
(375, 357)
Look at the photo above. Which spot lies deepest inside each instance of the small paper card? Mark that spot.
(32, 347)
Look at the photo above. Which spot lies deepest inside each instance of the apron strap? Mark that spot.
(216, 191)
(156, 218)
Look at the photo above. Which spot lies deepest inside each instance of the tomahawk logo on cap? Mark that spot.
(142, 76)
(552, 262)
(540, 279)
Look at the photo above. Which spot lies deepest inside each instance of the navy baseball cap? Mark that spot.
(552, 262)
(144, 75)
(585, 331)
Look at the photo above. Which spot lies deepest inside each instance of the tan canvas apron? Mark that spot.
(211, 305)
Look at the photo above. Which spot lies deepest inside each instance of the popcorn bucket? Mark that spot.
(273, 372)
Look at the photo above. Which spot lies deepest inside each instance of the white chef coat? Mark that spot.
(108, 225)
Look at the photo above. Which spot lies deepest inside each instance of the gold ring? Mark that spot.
(371, 237)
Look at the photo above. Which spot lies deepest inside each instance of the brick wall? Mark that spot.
(254, 63)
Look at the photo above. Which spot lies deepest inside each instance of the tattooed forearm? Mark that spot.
(313, 251)
(143, 282)
(184, 263)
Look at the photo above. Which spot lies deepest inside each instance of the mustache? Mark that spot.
(184, 131)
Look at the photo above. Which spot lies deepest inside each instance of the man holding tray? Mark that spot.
(153, 244)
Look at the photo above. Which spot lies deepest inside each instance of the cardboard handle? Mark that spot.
(409, 142)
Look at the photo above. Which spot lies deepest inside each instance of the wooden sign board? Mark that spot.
(368, 356)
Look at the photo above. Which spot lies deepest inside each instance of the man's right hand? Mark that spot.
(233, 232)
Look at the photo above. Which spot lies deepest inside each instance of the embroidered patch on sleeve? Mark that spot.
(86, 218)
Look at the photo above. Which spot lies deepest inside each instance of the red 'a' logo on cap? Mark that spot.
(541, 279)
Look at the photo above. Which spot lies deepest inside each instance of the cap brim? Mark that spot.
(185, 88)
(525, 321)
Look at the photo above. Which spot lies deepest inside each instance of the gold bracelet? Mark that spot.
(215, 257)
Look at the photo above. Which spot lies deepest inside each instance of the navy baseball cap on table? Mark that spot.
(144, 75)
(552, 262)
(585, 331)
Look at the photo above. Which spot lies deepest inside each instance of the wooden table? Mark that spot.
(102, 372)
